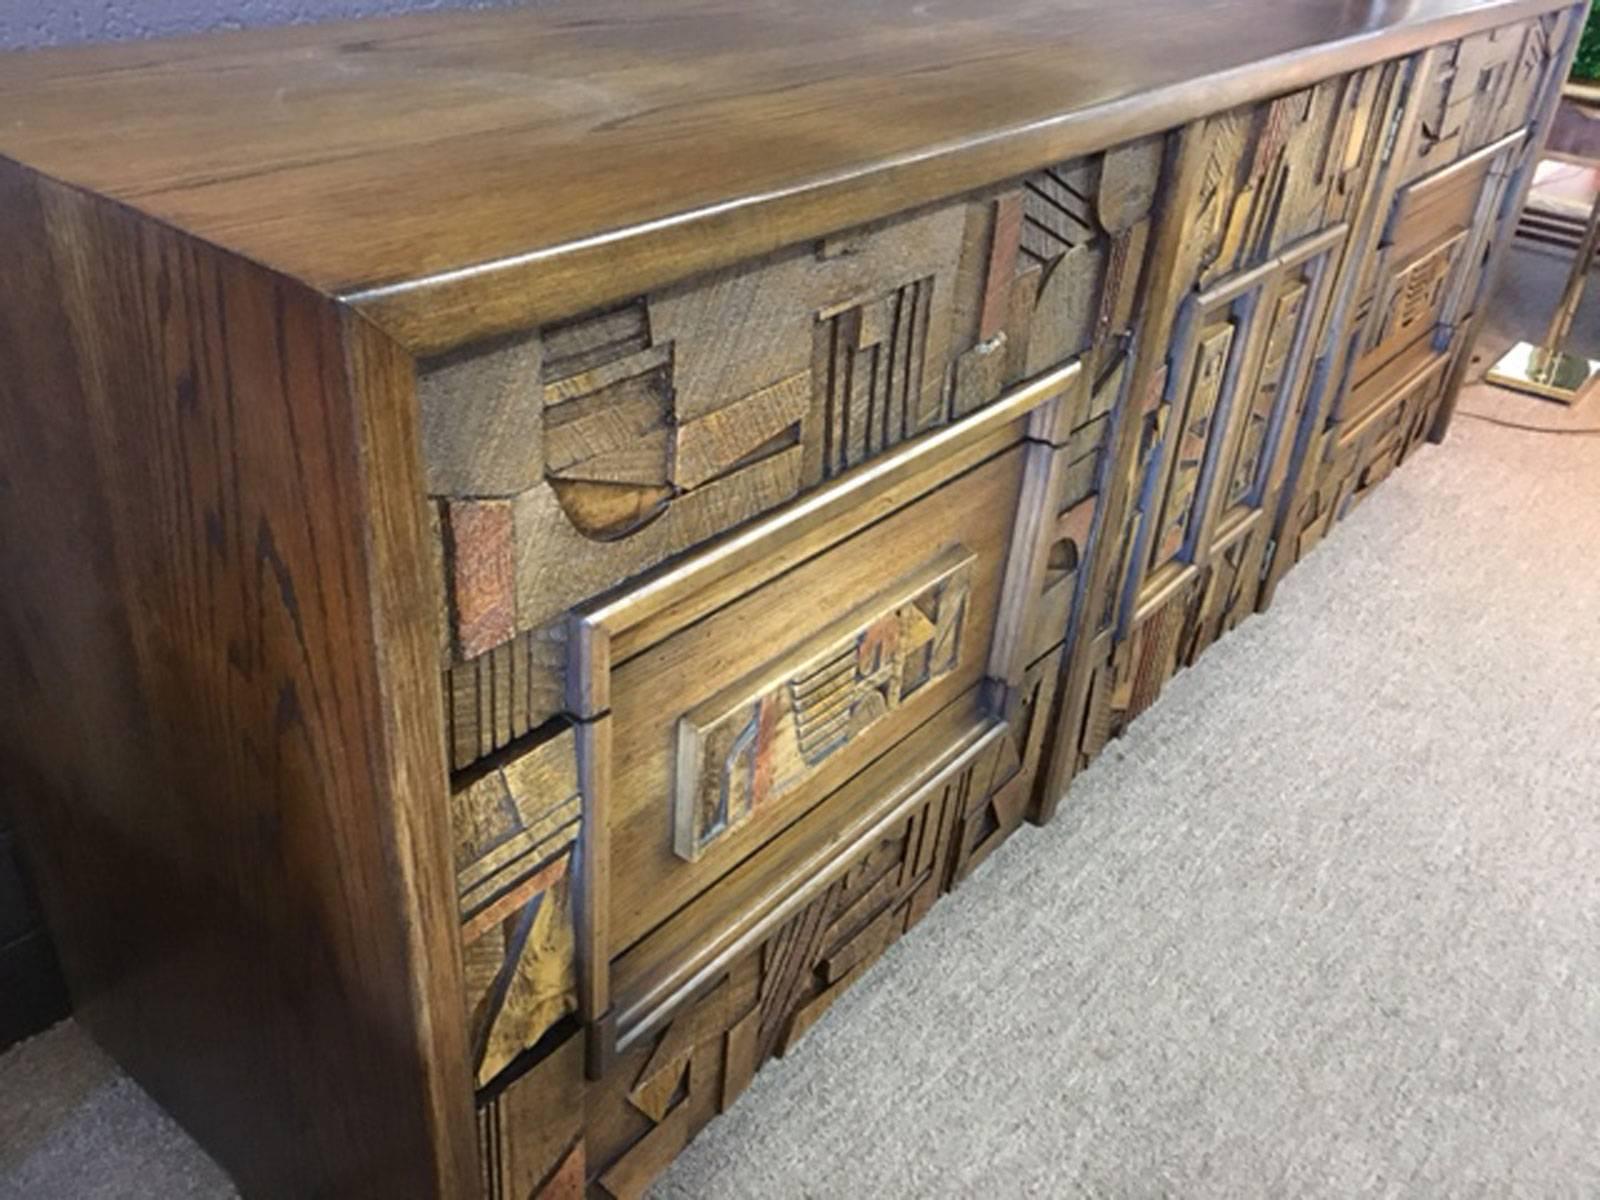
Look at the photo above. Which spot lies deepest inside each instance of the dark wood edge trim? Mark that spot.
(402, 587)
(373, 436)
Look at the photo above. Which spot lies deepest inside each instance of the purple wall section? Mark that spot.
(28, 23)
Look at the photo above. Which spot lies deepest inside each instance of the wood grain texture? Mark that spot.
(530, 1129)
(744, 748)
(393, 161)
(220, 698)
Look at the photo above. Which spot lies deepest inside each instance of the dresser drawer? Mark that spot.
(728, 730)
(724, 698)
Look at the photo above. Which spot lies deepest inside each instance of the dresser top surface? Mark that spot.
(497, 167)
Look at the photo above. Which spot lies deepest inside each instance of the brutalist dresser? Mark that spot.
(536, 544)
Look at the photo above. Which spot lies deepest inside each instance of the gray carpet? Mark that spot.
(1326, 923)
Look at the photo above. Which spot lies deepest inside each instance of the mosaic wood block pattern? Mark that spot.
(681, 415)
(660, 1092)
(673, 418)
(565, 551)
(1477, 89)
(515, 827)
(1463, 156)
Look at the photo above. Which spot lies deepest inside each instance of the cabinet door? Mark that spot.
(1235, 398)
(1252, 237)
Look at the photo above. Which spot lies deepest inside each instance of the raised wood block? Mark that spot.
(515, 605)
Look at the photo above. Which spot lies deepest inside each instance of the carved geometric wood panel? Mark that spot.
(663, 1089)
(531, 1131)
(872, 358)
(515, 827)
(1479, 89)
(1271, 191)
(768, 733)
(568, 461)
(823, 357)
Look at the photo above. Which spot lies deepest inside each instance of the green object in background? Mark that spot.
(1587, 63)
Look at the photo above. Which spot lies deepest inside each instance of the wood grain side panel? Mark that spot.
(224, 709)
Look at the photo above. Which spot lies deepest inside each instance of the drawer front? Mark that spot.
(723, 699)
(836, 888)
(567, 460)
(726, 731)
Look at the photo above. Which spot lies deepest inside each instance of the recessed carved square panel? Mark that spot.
(766, 734)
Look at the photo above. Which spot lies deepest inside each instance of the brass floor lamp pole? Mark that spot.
(1546, 370)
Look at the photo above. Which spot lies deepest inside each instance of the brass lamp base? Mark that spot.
(1550, 374)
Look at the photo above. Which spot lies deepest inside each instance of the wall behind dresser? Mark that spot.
(29, 23)
(32, 996)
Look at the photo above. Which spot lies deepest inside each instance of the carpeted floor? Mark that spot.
(1327, 922)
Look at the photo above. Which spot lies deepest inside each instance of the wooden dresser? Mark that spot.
(535, 545)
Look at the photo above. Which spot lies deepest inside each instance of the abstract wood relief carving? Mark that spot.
(1358, 455)
(646, 551)
(662, 1090)
(531, 1130)
(1419, 273)
(872, 357)
(672, 418)
(749, 745)
(668, 420)
(1278, 190)
(1462, 156)
(1265, 196)
(1477, 90)
(504, 693)
(515, 827)
(1066, 253)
